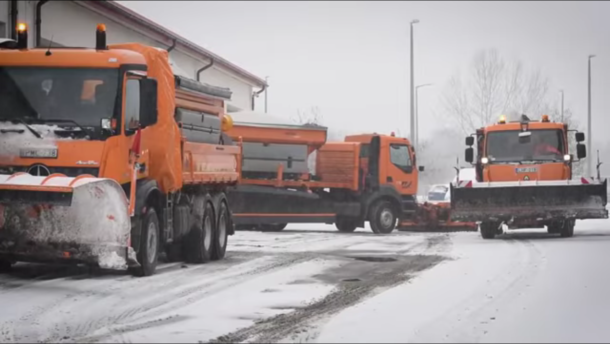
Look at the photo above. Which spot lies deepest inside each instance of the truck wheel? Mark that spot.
(5, 266)
(346, 225)
(148, 253)
(488, 230)
(221, 234)
(201, 236)
(382, 217)
(567, 229)
(275, 227)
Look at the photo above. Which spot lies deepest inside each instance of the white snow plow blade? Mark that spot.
(59, 218)
(579, 199)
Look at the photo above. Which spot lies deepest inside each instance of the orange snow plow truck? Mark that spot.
(524, 180)
(107, 158)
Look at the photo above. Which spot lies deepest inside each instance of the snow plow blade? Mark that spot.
(504, 201)
(57, 218)
(435, 218)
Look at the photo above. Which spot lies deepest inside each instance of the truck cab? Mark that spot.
(523, 150)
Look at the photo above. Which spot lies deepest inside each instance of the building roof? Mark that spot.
(135, 18)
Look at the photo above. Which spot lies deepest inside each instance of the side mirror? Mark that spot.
(421, 169)
(581, 151)
(580, 137)
(469, 140)
(148, 102)
(469, 156)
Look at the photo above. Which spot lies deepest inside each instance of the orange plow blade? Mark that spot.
(59, 218)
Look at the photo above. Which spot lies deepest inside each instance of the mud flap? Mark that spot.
(84, 211)
(529, 201)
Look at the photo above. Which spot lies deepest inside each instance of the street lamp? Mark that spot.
(589, 116)
(561, 91)
(416, 139)
(412, 88)
(266, 92)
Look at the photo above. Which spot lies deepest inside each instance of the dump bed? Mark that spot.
(184, 147)
(269, 142)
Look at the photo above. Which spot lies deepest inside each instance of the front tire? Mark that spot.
(382, 217)
(5, 266)
(148, 252)
(489, 230)
(567, 229)
(346, 225)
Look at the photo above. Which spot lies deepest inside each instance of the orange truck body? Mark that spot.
(175, 177)
(525, 179)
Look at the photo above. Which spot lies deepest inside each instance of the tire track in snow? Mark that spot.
(466, 322)
(301, 324)
(146, 311)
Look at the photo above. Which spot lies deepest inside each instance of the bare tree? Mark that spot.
(493, 86)
(310, 117)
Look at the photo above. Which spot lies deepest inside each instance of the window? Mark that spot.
(543, 145)
(3, 33)
(399, 156)
(57, 94)
(132, 104)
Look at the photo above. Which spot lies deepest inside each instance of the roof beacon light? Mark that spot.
(100, 37)
(22, 36)
(502, 119)
(545, 118)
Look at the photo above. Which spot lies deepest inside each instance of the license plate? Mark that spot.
(50, 153)
(526, 169)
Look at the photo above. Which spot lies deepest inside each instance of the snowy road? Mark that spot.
(312, 284)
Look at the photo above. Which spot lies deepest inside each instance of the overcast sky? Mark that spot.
(351, 59)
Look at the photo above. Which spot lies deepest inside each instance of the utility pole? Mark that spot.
(416, 139)
(412, 87)
(561, 91)
(266, 93)
(589, 148)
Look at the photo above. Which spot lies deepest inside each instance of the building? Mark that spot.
(73, 23)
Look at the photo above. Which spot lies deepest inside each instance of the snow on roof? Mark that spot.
(264, 119)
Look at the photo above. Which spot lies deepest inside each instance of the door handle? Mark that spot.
(389, 179)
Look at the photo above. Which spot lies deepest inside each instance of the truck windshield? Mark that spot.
(543, 145)
(81, 95)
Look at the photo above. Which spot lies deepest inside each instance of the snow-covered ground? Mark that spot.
(310, 283)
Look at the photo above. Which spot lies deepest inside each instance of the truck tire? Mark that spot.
(567, 229)
(5, 266)
(489, 230)
(199, 244)
(382, 217)
(346, 225)
(221, 234)
(275, 227)
(148, 253)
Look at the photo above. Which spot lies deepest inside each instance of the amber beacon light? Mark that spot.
(100, 37)
(22, 36)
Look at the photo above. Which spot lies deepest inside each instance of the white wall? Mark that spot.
(70, 24)
(4, 18)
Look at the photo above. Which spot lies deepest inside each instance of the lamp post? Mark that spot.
(266, 92)
(416, 139)
(412, 88)
(561, 91)
(589, 116)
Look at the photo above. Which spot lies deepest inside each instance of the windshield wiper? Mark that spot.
(19, 120)
(83, 129)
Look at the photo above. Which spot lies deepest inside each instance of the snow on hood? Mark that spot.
(11, 143)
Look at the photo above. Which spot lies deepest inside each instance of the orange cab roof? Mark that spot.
(70, 57)
(517, 126)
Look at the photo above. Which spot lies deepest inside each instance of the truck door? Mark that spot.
(399, 168)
